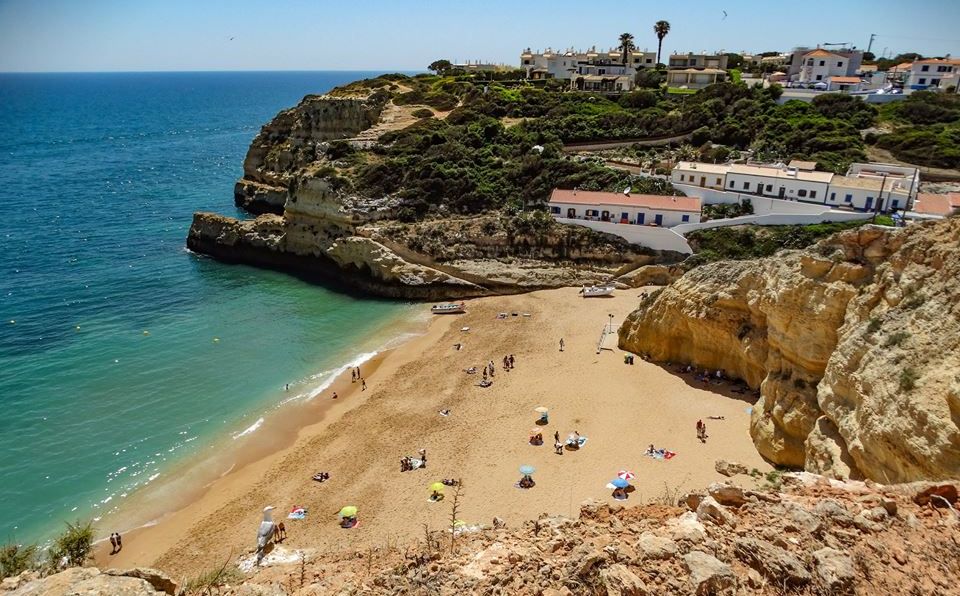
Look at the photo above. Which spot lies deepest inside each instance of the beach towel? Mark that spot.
(415, 464)
(578, 444)
(297, 513)
(662, 454)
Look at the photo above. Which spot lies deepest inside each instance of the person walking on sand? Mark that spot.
(699, 429)
(363, 384)
(561, 344)
(113, 544)
(492, 367)
(423, 458)
(556, 436)
(335, 395)
(119, 543)
(353, 376)
(511, 360)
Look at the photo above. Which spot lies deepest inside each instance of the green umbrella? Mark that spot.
(348, 511)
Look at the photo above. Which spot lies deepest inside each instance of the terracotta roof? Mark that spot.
(775, 172)
(593, 198)
(845, 80)
(937, 204)
(698, 70)
(938, 61)
(821, 53)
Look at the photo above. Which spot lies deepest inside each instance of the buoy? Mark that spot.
(12, 322)
(78, 327)
(145, 332)
(216, 339)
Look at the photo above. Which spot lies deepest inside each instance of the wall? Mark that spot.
(713, 179)
(670, 217)
(791, 186)
(655, 238)
(761, 205)
(775, 219)
(858, 198)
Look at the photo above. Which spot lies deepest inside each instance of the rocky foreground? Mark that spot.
(853, 343)
(811, 535)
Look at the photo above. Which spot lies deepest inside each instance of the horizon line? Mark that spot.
(378, 70)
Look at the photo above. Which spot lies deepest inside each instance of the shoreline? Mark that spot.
(358, 439)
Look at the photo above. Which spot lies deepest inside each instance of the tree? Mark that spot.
(626, 46)
(869, 57)
(661, 28)
(734, 60)
(73, 546)
(440, 66)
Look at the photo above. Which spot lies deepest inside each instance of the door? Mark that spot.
(869, 204)
(605, 216)
(782, 192)
(658, 219)
(703, 181)
(640, 218)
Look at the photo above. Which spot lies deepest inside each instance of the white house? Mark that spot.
(843, 84)
(932, 73)
(564, 65)
(778, 181)
(820, 65)
(864, 193)
(629, 209)
(704, 175)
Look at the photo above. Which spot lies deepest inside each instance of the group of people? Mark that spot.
(701, 431)
(355, 376)
(407, 463)
(322, 477)
(116, 543)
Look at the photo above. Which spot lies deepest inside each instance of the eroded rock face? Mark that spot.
(89, 580)
(853, 343)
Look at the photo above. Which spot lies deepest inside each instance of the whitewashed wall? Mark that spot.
(775, 219)
(655, 238)
(761, 205)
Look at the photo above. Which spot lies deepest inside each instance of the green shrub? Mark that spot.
(874, 325)
(73, 546)
(896, 339)
(422, 113)
(16, 558)
(908, 379)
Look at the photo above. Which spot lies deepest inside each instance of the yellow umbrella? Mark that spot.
(348, 511)
(437, 487)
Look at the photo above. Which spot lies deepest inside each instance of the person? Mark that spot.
(436, 496)
(484, 373)
(506, 363)
(423, 458)
(492, 367)
(558, 447)
(458, 346)
(353, 375)
(363, 384)
(348, 522)
(561, 344)
(703, 433)
(526, 482)
(619, 494)
(119, 543)
(511, 361)
(358, 372)
(335, 395)
(113, 543)
(699, 429)
(403, 464)
(286, 387)
(556, 436)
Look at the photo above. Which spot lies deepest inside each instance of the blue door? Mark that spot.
(869, 204)
(658, 219)
(640, 217)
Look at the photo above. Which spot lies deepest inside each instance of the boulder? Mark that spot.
(727, 494)
(158, 579)
(85, 580)
(651, 546)
(834, 570)
(835, 512)
(730, 468)
(936, 494)
(687, 528)
(775, 563)
(709, 575)
(691, 500)
(594, 509)
(710, 510)
(620, 581)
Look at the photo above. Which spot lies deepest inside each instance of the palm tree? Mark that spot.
(661, 28)
(626, 46)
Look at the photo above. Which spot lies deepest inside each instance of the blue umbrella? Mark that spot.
(527, 470)
(620, 483)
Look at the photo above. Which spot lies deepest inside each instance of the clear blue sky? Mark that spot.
(111, 35)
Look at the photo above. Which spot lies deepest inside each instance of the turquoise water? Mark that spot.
(121, 352)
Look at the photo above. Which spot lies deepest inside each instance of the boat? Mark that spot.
(594, 291)
(451, 308)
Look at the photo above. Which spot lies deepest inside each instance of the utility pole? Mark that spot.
(870, 45)
(876, 207)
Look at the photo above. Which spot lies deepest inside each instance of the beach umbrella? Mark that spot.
(348, 511)
(536, 431)
(626, 475)
(527, 470)
(620, 483)
(437, 487)
(541, 410)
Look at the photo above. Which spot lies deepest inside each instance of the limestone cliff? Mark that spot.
(315, 222)
(853, 343)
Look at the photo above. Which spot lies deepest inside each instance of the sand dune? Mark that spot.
(620, 408)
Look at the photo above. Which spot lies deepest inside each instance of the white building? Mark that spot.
(820, 65)
(704, 175)
(551, 64)
(932, 73)
(865, 187)
(629, 209)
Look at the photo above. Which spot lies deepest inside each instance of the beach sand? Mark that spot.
(361, 437)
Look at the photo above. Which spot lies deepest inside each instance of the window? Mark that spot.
(922, 81)
(526, 62)
(687, 217)
(848, 199)
(810, 62)
(693, 62)
(719, 182)
(731, 184)
(895, 203)
(935, 82)
(833, 197)
(681, 177)
(924, 68)
(840, 64)
(649, 60)
(819, 77)
(813, 194)
(746, 186)
(802, 192)
(554, 210)
(823, 63)
(769, 188)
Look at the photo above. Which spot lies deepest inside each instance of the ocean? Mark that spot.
(121, 353)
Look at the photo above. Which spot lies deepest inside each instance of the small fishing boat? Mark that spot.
(594, 291)
(452, 308)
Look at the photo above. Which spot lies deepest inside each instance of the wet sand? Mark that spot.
(360, 438)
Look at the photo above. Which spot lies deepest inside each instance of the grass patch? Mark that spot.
(895, 339)
(908, 379)
(874, 325)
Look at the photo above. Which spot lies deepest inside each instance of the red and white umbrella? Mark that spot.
(626, 475)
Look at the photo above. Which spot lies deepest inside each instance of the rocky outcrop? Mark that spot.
(90, 580)
(853, 343)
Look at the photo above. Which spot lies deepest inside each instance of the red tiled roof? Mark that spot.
(593, 198)
(845, 80)
(937, 204)
(821, 53)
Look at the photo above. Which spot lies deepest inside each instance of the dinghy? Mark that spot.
(594, 291)
(449, 309)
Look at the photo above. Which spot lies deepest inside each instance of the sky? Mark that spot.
(178, 35)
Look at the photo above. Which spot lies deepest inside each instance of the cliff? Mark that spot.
(853, 344)
(808, 536)
(311, 176)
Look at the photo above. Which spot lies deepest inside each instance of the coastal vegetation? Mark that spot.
(925, 129)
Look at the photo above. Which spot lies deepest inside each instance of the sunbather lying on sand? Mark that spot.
(471, 371)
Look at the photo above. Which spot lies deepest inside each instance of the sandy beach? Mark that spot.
(360, 438)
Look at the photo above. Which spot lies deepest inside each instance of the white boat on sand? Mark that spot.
(451, 308)
(594, 291)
